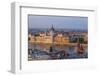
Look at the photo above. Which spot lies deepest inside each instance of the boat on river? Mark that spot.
(80, 48)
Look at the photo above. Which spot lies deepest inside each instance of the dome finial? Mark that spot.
(52, 28)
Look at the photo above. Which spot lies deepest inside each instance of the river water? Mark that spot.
(70, 50)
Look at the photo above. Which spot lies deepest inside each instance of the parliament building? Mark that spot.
(50, 37)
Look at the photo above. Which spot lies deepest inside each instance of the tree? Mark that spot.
(81, 40)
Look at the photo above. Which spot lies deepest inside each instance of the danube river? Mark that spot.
(41, 51)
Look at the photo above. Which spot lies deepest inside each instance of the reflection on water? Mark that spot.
(42, 52)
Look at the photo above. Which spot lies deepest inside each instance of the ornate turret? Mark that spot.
(52, 29)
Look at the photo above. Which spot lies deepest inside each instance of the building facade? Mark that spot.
(49, 37)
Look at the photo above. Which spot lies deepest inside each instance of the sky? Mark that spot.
(67, 22)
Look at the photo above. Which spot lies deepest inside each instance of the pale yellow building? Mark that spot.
(50, 38)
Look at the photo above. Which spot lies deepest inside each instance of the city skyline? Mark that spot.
(64, 22)
(57, 37)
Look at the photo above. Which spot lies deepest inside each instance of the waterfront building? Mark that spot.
(49, 37)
